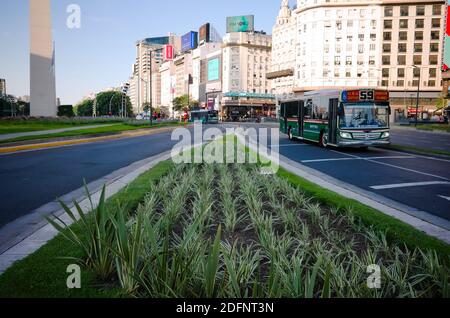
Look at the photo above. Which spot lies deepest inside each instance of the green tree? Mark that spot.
(84, 108)
(110, 101)
(441, 102)
(182, 103)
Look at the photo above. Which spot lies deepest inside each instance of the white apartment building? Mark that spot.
(145, 81)
(283, 52)
(362, 43)
(183, 69)
(246, 89)
(168, 86)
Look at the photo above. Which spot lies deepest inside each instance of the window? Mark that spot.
(387, 36)
(361, 48)
(386, 60)
(401, 72)
(415, 83)
(403, 24)
(436, 23)
(388, 11)
(402, 47)
(361, 37)
(401, 60)
(385, 72)
(433, 60)
(418, 48)
(400, 83)
(404, 11)
(420, 10)
(371, 60)
(338, 48)
(339, 25)
(373, 37)
(437, 9)
(348, 60)
(350, 24)
(435, 35)
(420, 23)
(337, 60)
(419, 35)
(431, 83)
(403, 36)
(432, 73)
(434, 47)
(388, 24)
(349, 38)
(416, 73)
(373, 24)
(373, 47)
(387, 48)
(417, 60)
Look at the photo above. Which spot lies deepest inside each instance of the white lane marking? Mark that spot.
(408, 185)
(444, 197)
(357, 158)
(394, 166)
(419, 156)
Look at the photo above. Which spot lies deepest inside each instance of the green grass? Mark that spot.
(423, 151)
(43, 274)
(432, 127)
(395, 230)
(105, 130)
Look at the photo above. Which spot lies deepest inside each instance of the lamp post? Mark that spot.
(418, 95)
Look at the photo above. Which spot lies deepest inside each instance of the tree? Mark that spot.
(182, 103)
(84, 108)
(108, 103)
(65, 111)
(441, 102)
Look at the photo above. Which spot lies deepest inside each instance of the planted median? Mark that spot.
(201, 230)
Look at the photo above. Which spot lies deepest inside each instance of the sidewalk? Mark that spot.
(53, 131)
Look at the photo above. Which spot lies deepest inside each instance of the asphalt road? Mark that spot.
(421, 139)
(32, 179)
(419, 182)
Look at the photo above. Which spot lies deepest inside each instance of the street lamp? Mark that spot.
(418, 95)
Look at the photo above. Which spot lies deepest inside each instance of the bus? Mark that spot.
(205, 116)
(338, 118)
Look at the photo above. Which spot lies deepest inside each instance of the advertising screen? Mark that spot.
(205, 33)
(446, 63)
(214, 70)
(189, 41)
(245, 23)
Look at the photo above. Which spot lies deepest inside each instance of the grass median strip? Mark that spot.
(422, 151)
(98, 131)
(215, 230)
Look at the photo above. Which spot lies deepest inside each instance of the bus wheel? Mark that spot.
(323, 140)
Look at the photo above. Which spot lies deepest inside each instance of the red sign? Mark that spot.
(353, 96)
(381, 96)
(168, 52)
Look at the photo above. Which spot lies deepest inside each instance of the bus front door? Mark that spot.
(332, 121)
(301, 115)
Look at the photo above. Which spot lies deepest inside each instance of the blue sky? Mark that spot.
(101, 53)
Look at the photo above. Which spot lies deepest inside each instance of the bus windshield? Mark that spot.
(362, 116)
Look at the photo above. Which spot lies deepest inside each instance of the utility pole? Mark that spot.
(418, 95)
(151, 88)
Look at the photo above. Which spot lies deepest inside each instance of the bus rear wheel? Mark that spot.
(323, 140)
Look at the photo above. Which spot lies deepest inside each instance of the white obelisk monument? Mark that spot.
(42, 61)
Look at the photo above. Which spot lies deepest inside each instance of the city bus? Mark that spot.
(338, 118)
(205, 116)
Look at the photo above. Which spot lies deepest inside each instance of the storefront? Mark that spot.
(248, 106)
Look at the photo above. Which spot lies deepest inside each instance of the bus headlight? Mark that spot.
(346, 135)
(385, 135)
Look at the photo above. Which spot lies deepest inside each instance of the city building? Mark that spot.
(42, 61)
(168, 87)
(145, 81)
(395, 45)
(2, 87)
(283, 52)
(246, 90)
(213, 79)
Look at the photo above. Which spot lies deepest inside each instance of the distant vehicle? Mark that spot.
(338, 118)
(205, 116)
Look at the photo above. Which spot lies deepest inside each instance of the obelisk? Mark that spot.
(42, 61)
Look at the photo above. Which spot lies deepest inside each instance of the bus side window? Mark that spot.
(308, 109)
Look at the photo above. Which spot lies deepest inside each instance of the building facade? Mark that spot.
(246, 89)
(388, 44)
(2, 87)
(283, 52)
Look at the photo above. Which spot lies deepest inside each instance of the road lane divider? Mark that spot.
(409, 185)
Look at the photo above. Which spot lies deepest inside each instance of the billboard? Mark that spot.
(446, 62)
(213, 70)
(204, 33)
(243, 23)
(168, 52)
(189, 41)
